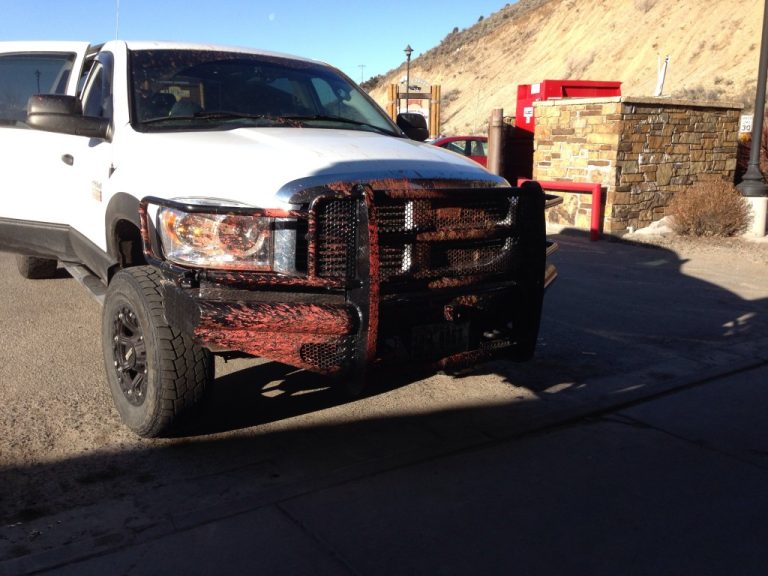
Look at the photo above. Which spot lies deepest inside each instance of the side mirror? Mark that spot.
(414, 125)
(64, 115)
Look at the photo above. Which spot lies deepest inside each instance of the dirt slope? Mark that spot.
(713, 48)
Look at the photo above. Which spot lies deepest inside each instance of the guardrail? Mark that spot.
(597, 199)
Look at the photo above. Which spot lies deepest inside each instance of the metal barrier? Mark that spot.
(597, 199)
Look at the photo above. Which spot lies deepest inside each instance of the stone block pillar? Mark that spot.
(641, 150)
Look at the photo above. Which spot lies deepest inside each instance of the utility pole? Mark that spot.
(362, 70)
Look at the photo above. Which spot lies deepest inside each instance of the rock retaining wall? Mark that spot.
(641, 150)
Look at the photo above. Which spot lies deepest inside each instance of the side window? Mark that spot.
(97, 94)
(84, 76)
(458, 146)
(479, 148)
(22, 75)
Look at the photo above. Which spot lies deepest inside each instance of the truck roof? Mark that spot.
(44, 46)
(82, 47)
(164, 45)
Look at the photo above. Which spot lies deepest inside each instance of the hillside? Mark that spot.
(713, 48)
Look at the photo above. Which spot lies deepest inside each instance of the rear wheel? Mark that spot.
(34, 268)
(156, 374)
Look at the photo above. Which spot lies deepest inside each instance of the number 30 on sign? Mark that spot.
(745, 124)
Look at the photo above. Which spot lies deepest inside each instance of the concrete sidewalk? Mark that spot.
(634, 443)
(675, 485)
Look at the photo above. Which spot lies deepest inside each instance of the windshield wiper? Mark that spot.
(340, 119)
(216, 115)
(297, 119)
(210, 116)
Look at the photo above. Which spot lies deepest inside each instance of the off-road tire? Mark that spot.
(34, 268)
(156, 374)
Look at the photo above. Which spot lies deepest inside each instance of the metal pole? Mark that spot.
(407, 82)
(753, 183)
(408, 51)
(496, 141)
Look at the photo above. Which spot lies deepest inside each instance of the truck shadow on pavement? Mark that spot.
(271, 392)
(622, 322)
(618, 312)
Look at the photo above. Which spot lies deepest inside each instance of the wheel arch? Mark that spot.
(123, 232)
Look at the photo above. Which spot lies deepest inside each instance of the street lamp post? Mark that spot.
(753, 186)
(408, 51)
(752, 183)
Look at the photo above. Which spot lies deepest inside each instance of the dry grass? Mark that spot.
(712, 208)
(713, 48)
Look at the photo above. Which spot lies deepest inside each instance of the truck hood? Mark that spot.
(267, 166)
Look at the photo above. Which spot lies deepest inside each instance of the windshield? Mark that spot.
(205, 89)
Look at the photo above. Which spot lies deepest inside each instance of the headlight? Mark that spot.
(224, 241)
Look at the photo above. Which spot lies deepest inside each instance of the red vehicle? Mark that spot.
(474, 147)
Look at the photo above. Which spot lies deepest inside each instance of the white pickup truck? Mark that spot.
(223, 201)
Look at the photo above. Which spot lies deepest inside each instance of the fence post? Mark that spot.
(392, 101)
(434, 111)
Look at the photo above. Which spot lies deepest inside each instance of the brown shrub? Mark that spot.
(712, 208)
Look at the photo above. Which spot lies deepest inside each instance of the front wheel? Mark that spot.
(156, 374)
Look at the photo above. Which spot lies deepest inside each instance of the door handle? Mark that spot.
(68, 159)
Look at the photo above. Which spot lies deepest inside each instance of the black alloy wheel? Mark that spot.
(130, 355)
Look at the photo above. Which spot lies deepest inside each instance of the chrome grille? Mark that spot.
(468, 233)
(446, 237)
(429, 215)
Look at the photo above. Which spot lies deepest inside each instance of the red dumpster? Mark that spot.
(527, 94)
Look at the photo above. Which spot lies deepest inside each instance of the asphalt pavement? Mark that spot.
(676, 485)
(642, 449)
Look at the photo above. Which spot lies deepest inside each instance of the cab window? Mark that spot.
(23, 75)
(97, 94)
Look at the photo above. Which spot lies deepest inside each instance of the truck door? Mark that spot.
(89, 160)
(33, 173)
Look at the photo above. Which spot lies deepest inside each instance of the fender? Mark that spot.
(122, 207)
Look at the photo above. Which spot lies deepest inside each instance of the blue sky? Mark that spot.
(346, 34)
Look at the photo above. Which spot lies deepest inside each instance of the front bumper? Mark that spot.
(448, 331)
(319, 337)
(449, 277)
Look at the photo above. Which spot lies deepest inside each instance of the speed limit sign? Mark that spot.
(745, 124)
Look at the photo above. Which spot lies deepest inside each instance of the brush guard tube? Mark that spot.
(343, 321)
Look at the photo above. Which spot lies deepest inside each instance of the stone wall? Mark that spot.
(641, 150)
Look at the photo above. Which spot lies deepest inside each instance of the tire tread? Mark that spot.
(184, 368)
